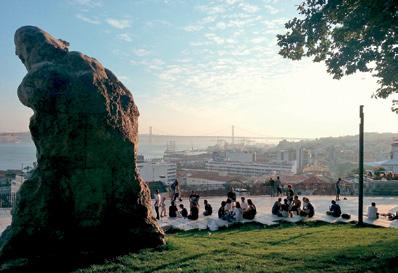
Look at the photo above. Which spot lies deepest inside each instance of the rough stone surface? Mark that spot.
(85, 198)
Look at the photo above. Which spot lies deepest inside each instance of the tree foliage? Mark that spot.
(349, 36)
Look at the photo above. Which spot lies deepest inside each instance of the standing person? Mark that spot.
(338, 189)
(243, 203)
(175, 187)
(208, 209)
(157, 204)
(272, 186)
(231, 195)
(193, 199)
(290, 194)
(278, 185)
(163, 207)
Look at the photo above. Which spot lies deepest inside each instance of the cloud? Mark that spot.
(153, 64)
(141, 52)
(248, 7)
(86, 3)
(172, 73)
(156, 22)
(221, 25)
(270, 9)
(215, 38)
(258, 40)
(193, 28)
(87, 19)
(118, 23)
(209, 9)
(125, 37)
(232, 2)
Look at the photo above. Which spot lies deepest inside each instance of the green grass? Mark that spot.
(299, 248)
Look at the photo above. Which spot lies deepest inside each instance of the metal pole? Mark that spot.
(360, 186)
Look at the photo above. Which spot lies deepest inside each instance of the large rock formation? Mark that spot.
(85, 198)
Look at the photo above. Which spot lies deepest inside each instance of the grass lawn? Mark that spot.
(299, 248)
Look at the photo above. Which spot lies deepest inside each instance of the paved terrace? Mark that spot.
(264, 216)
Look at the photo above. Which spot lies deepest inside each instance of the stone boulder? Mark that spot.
(85, 200)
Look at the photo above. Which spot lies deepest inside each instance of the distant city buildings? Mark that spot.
(390, 165)
(151, 171)
(202, 180)
(249, 168)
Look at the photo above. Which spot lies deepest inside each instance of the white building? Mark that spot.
(240, 156)
(157, 171)
(391, 165)
(249, 168)
(9, 188)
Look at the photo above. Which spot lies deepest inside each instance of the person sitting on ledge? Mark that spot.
(228, 209)
(251, 211)
(194, 215)
(285, 208)
(184, 212)
(173, 210)
(372, 212)
(277, 207)
(334, 210)
(308, 209)
(237, 212)
(243, 204)
(221, 210)
(295, 206)
(392, 217)
(208, 209)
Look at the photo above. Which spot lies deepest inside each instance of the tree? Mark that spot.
(349, 36)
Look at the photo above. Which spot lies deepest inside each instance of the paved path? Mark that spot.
(264, 216)
(264, 204)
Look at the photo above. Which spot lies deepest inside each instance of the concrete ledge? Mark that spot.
(213, 223)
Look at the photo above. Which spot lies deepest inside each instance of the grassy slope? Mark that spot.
(302, 248)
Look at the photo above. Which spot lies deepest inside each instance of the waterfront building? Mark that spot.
(249, 168)
(151, 171)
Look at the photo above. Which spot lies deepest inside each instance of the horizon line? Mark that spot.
(236, 137)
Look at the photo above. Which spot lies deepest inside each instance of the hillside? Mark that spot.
(324, 248)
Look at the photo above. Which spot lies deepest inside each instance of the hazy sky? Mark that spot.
(197, 67)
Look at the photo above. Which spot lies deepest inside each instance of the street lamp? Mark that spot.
(360, 185)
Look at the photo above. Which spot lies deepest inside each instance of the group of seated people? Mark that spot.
(194, 210)
(293, 205)
(232, 210)
(373, 214)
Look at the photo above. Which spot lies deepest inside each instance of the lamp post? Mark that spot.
(360, 185)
